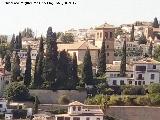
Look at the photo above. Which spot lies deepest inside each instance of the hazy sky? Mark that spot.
(85, 14)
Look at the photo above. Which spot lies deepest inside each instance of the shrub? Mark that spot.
(127, 100)
(17, 114)
(115, 100)
(155, 99)
(109, 91)
(17, 91)
(133, 90)
(64, 100)
(143, 100)
(154, 88)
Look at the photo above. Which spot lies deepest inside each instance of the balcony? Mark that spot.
(140, 78)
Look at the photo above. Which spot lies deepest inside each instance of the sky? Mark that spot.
(85, 14)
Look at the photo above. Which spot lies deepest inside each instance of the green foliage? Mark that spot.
(19, 113)
(143, 100)
(127, 100)
(132, 38)
(58, 111)
(123, 61)
(155, 98)
(133, 90)
(157, 53)
(109, 91)
(150, 50)
(7, 62)
(155, 23)
(87, 73)
(115, 100)
(16, 91)
(102, 60)
(154, 88)
(27, 75)
(142, 40)
(64, 100)
(67, 38)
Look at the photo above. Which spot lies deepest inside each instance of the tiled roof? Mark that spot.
(146, 61)
(76, 103)
(111, 67)
(83, 45)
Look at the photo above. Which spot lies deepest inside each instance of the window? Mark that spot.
(140, 68)
(122, 82)
(130, 82)
(97, 35)
(106, 35)
(111, 75)
(60, 118)
(135, 82)
(111, 35)
(139, 77)
(98, 119)
(143, 82)
(114, 82)
(87, 118)
(76, 118)
(79, 108)
(67, 118)
(74, 108)
(131, 75)
(107, 54)
(152, 76)
(107, 46)
(100, 35)
(139, 82)
(1, 105)
(154, 66)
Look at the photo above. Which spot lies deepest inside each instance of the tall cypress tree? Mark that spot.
(50, 60)
(20, 41)
(102, 60)
(16, 68)
(27, 75)
(132, 34)
(16, 44)
(74, 70)
(155, 23)
(7, 62)
(150, 50)
(11, 46)
(123, 61)
(87, 73)
(39, 66)
(35, 82)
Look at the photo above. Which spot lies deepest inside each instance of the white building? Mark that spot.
(141, 72)
(23, 54)
(79, 111)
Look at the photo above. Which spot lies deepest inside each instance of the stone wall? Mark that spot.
(50, 97)
(134, 112)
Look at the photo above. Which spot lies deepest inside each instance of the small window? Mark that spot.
(87, 118)
(79, 108)
(139, 82)
(107, 54)
(106, 35)
(143, 82)
(107, 46)
(74, 108)
(1, 105)
(98, 119)
(154, 66)
(111, 34)
(152, 76)
(122, 82)
(114, 82)
(100, 35)
(130, 82)
(131, 75)
(135, 82)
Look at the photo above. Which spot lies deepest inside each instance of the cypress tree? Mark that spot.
(155, 23)
(11, 46)
(16, 45)
(27, 75)
(74, 70)
(150, 49)
(8, 62)
(87, 73)
(123, 61)
(20, 41)
(35, 82)
(35, 107)
(132, 34)
(16, 68)
(50, 60)
(102, 60)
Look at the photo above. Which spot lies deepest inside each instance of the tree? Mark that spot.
(67, 38)
(155, 23)
(20, 41)
(15, 68)
(142, 39)
(35, 107)
(157, 53)
(7, 62)
(27, 75)
(123, 61)
(11, 46)
(74, 70)
(50, 60)
(132, 34)
(102, 60)
(87, 73)
(27, 32)
(38, 80)
(17, 91)
(150, 49)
